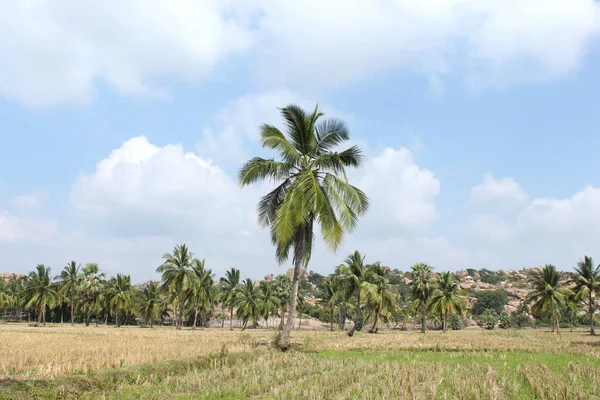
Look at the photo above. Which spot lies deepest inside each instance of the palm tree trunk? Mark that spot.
(444, 323)
(289, 324)
(39, 320)
(591, 300)
(117, 318)
(72, 311)
(282, 315)
(231, 319)
(331, 324)
(374, 326)
(571, 321)
(180, 319)
(557, 326)
(423, 317)
(357, 315)
(222, 323)
(62, 314)
(195, 316)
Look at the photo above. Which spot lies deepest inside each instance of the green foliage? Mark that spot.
(520, 317)
(492, 277)
(503, 320)
(455, 322)
(489, 299)
(548, 296)
(422, 288)
(315, 278)
(488, 319)
(445, 300)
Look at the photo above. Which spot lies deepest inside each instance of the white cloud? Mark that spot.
(15, 229)
(59, 50)
(145, 189)
(346, 40)
(239, 121)
(54, 51)
(492, 189)
(401, 192)
(27, 201)
(538, 231)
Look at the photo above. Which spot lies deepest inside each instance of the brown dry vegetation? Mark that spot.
(129, 363)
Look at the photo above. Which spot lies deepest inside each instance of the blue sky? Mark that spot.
(479, 120)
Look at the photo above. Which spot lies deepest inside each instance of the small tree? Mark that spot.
(488, 319)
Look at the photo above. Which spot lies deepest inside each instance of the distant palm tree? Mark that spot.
(92, 291)
(422, 287)
(122, 296)
(149, 303)
(312, 187)
(587, 285)
(5, 299)
(445, 300)
(329, 295)
(283, 288)
(178, 278)
(354, 274)
(268, 302)
(202, 287)
(548, 296)
(574, 306)
(229, 289)
(381, 295)
(70, 280)
(247, 303)
(40, 292)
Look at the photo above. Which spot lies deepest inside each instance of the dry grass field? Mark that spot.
(162, 363)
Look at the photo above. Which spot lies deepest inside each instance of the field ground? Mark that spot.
(162, 363)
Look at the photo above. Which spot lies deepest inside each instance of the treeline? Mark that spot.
(364, 294)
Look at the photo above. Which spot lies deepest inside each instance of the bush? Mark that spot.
(504, 320)
(455, 322)
(488, 319)
(489, 299)
(520, 317)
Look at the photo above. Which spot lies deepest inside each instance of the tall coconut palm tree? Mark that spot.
(312, 187)
(202, 287)
(40, 292)
(283, 288)
(381, 295)
(268, 302)
(587, 286)
(178, 278)
(70, 280)
(229, 289)
(422, 287)
(149, 303)
(355, 273)
(548, 296)
(122, 295)
(445, 300)
(247, 303)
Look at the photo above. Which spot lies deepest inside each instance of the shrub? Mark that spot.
(488, 319)
(504, 320)
(520, 317)
(455, 322)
